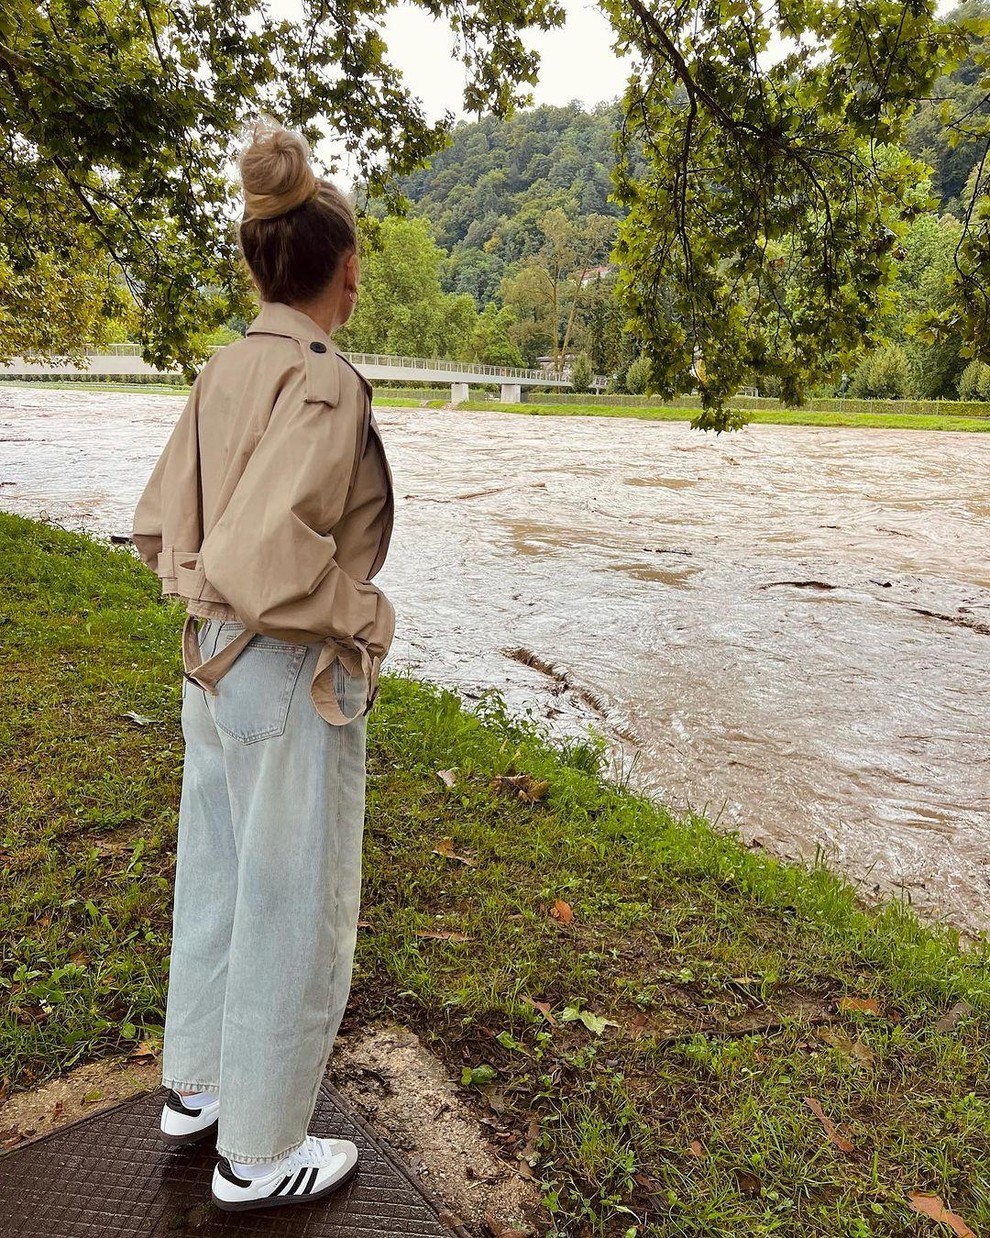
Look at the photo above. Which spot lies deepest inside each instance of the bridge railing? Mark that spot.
(463, 367)
(438, 364)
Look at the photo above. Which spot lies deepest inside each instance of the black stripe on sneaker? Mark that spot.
(311, 1183)
(281, 1186)
(298, 1180)
(226, 1172)
(174, 1102)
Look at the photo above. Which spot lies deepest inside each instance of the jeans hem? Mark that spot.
(187, 1085)
(259, 1160)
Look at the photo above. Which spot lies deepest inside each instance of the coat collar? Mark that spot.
(277, 318)
(322, 379)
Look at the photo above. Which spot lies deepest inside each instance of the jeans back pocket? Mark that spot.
(254, 695)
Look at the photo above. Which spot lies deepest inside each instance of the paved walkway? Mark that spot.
(109, 1176)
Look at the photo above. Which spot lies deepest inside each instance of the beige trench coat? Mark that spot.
(272, 505)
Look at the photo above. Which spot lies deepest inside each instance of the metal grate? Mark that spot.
(109, 1176)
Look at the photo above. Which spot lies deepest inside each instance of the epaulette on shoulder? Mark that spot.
(322, 374)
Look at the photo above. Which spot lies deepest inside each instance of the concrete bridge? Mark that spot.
(119, 361)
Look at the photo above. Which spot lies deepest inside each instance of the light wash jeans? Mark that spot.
(267, 889)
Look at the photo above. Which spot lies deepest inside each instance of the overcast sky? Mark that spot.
(576, 60)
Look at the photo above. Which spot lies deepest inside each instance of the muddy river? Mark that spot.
(787, 629)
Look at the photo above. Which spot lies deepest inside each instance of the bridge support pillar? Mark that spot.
(511, 393)
(458, 393)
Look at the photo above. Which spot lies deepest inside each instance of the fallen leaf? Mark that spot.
(562, 911)
(841, 1040)
(932, 1206)
(445, 847)
(840, 1141)
(959, 1010)
(521, 786)
(139, 719)
(443, 935)
(527, 1154)
(544, 1009)
(448, 776)
(696, 1149)
(90, 1098)
(145, 1053)
(593, 1022)
(864, 1005)
(56, 1110)
(10, 1136)
(749, 1184)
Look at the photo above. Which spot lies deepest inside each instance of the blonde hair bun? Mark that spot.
(275, 171)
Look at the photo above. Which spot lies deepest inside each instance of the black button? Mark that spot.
(316, 346)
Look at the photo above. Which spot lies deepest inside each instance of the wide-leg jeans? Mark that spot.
(267, 890)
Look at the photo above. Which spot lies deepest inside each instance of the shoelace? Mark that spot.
(312, 1152)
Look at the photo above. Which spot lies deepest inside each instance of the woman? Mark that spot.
(269, 513)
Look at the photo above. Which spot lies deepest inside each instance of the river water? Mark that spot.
(787, 629)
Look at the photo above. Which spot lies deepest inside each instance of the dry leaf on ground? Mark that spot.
(521, 786)
(932, 1206)
(864, 1005)
(562, 911)
(840, 1141)
(544, 1009)
(445, 847)
(959, 1010)
(145, 1053)
(527, 1154)
(448, 777)
(697, 1149)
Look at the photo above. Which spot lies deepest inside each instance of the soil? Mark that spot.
(408, 1095)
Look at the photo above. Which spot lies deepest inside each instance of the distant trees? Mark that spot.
(401, 308)
(581, 373)
(884, 374)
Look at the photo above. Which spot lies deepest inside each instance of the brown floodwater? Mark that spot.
(787, 629)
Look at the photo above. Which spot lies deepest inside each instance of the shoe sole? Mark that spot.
(178, 1141)
(277, 1201)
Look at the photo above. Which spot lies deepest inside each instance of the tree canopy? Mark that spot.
(121, 120)
(762, 174)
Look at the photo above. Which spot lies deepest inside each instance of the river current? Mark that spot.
(787, 629)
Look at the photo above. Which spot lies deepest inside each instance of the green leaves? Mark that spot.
(122, 123)
(759, 241)
(477, 1076)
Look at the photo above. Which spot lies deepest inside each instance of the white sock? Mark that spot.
(255, 1171)
(199, 1100)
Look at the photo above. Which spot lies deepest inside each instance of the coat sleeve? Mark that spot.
(146, 526)
(272, 552)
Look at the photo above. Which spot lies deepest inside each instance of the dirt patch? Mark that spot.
(407, 1093)
(82, 1092)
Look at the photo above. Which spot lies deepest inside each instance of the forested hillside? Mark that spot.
(522, 221)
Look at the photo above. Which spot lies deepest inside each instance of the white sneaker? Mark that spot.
(181, 1123)
(312, 1171)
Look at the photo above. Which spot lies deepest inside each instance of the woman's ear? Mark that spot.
(353, 273)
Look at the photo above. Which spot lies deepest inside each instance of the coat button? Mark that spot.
(317, 346)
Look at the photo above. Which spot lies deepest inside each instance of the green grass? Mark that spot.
(718, 969)
(785, 417)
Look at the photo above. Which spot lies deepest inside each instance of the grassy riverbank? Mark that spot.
(660, 1043)
(768, 417)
